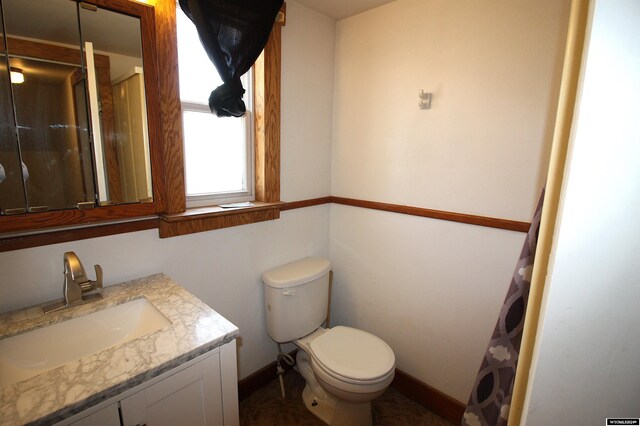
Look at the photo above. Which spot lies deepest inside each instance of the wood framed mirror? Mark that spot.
(81, 140)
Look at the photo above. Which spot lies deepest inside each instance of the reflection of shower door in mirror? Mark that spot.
(84, 143)
(50, 58)
(44, 43)
(12, 196)
(51, 130)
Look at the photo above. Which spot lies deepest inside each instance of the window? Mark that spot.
(265, 114)
(218, 151)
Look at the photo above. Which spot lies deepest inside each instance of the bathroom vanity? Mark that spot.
(172, 360)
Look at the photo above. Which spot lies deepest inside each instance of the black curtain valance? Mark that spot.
(233, 33)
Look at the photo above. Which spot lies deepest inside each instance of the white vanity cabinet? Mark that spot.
(191, 397)
(201, 392)
(105, 417)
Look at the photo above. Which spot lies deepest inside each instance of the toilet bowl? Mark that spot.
(345, 368)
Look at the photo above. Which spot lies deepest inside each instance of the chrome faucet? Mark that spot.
(76, 284)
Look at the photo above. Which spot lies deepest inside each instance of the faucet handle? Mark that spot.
(98, 282)
(90, 285)
(93, 285)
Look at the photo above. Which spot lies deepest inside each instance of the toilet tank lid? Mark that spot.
(296, 273)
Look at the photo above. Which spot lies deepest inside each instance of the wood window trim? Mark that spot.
(178, 220)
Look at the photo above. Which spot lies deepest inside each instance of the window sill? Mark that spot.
(203, 219)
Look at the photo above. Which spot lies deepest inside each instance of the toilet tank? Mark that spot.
(296, 298)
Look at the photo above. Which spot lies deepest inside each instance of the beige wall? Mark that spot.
(307, 103)
(433, 289)
(493, 69)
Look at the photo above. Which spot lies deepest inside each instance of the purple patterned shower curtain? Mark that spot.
(490, 398)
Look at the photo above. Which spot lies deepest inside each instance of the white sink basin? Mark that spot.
(26, 355)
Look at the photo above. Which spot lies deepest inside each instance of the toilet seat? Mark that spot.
(352, 356)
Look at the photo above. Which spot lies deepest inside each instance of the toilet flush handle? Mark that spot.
(289, 292)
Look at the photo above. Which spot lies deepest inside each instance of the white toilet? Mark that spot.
(345, 368)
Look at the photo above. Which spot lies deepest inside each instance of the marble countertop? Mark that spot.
(64, 391)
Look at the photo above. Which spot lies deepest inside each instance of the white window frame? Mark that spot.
(235, 196)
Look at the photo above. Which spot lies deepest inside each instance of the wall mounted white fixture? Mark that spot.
(425, 100)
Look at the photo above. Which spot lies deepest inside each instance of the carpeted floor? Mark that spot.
(265, 407)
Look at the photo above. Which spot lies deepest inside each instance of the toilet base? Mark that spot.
(323, 408)
(328, 408)
(336, 412)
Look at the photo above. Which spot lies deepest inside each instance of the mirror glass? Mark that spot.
(43, 41)
(12, 196)
(82, 126)
(115, 80)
